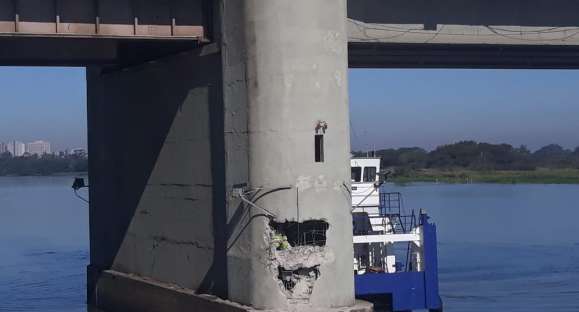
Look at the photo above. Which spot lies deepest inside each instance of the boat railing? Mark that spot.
(392, 207)
(390, 203)
(407, 267)
(407, 223)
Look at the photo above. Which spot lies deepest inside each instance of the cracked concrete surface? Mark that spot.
(303, 257)
(290, 57)
(296, 267)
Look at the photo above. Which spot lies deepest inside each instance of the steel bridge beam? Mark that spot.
(169, 19)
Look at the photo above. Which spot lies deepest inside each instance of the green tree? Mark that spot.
(553, 156)
(44, 165)
(412, 158)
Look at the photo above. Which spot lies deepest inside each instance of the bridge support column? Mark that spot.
(286, 86)
(157, 190)
(225, 170)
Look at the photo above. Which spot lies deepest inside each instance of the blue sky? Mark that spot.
(389, 108)
(45, 104)
(427, 108)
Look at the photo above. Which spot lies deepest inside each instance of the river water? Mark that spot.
(504, 247)
(501, 247)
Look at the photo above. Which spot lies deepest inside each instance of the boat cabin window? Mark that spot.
(356, 174)
(369, 174)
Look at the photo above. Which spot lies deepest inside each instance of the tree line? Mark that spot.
(35, 165)
(476, 156)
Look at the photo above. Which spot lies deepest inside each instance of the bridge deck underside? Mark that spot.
(399, 55)
(50, 51)
(464, 34)
(382, 33)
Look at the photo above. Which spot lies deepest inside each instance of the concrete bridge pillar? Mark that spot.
(225, 170)
(289, 59)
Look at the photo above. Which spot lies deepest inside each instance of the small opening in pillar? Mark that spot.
(319, 146)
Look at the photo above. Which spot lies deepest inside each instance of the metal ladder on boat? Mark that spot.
(391, 208)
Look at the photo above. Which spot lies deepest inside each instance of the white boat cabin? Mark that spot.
(376, 228)
(365, 179)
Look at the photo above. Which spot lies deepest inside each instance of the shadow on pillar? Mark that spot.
(157, 177)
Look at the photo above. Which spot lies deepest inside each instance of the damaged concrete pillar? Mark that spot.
(224, 170)
(287, 139)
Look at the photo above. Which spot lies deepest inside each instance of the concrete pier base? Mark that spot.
(116, 291)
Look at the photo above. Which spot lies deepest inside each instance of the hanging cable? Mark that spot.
(252, 204)
(80, 197)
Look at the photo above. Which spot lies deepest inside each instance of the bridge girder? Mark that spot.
(174, 19)
(458, 33)
(382, 33)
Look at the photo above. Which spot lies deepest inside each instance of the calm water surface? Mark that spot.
(502, 247)
(43, 245)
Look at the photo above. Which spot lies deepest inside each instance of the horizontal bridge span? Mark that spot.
(532, 22)
(170, 19)
(509, 22)
(399, 55)
(381, 33)
(464, 34)
(52, 51)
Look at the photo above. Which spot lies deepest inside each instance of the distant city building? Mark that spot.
(38, 148)
(3, 148)
(16, 148)
(79, 152)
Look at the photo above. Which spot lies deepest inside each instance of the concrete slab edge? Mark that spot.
(121, 292)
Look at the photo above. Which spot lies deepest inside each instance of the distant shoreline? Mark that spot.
(55, 174)
(45, 165)
(450, 176)
(462, 176)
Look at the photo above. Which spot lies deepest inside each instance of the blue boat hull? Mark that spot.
(406, 291)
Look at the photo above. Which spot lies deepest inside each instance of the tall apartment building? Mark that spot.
(3, 148)
(16, 148)
(38, 148)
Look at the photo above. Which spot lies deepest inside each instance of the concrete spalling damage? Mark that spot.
(308, 233)
(299, 283)
(297, 250)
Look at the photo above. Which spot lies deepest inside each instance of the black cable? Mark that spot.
(80, 197)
